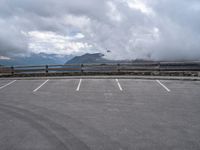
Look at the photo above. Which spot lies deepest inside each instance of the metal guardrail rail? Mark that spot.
(103, 68)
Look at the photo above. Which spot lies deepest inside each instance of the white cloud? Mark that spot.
(53, 43)
(4, 58)
(140, 5)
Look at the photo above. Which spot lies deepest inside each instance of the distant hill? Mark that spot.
(88, 58)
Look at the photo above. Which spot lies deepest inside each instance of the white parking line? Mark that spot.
(7, 84)
(40, 86)
(120, 87)
(79, 84)
(166, 88)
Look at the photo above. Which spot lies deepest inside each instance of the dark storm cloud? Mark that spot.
(154, 29)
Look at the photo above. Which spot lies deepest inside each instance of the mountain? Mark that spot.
(98, 58)
(36, 59)
(88, 58)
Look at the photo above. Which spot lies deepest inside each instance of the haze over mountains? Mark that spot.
(49, 59)
(43, 59)
(36, 59)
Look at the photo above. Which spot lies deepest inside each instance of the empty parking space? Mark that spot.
(99, 85)
(62, 87)
(184, 87)
(139, 87)
(21, 86)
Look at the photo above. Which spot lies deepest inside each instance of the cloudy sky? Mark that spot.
(130, 29)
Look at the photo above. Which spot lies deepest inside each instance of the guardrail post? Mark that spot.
(82, 68)
(46, 69)
(12, 71)
(118, 67)
(159, 67)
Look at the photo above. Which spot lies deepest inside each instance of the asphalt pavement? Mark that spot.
(99, 114)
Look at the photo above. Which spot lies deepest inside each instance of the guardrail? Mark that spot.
(108, 68)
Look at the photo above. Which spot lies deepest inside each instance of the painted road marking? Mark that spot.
(7, 84)
(120, 87)
(40, 86)
(166, 88)
(79, 84)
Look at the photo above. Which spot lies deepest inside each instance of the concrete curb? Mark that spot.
(107, 77)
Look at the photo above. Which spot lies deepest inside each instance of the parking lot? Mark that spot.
(99, 114)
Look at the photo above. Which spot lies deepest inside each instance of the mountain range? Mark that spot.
(48, 59)
(36, 59)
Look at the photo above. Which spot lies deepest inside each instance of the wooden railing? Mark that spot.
(102, 68)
